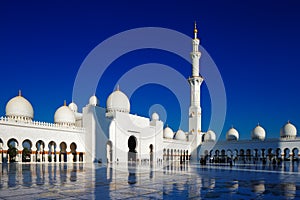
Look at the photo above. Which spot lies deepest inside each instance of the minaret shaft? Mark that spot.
(195, 83)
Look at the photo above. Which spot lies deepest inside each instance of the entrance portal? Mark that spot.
(132, 146)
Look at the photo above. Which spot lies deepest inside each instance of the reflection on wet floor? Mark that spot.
(169, 181)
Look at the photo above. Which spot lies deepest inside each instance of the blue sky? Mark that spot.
(254, 44)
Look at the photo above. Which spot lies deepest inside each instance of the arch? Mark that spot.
(109, 151)
(63, 152)
(242, 155)
(187, 155)
(132, 144)
(229, 153)
(286, 154)
(295, 152)
(202, 138)
(26, 152)
(1, 150)
(12, 152)
(255, 154)
(278, 153)
(270, 154)
(73, 147)
(40, 145)
(248, 154)
(151, 152)
(52, 151)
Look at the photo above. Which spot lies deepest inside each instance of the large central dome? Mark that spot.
(118, 101)
(19, 108)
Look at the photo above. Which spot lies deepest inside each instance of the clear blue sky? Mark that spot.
(255, 45)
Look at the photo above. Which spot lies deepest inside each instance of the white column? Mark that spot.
(33, 154)
(52, 152)
(1, 149)
(46, 149)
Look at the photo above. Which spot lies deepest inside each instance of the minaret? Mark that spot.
(195, 82)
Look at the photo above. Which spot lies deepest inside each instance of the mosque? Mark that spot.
(112, 134)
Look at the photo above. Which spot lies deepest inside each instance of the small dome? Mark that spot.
(19, 108)
(168, 133)
(155, 116)
(73, 107)
(288, 131)
(258, 133)
(94, 101)
(180, 135)
(232, 134)
(64, 116)
(209, 136)
(118, 101)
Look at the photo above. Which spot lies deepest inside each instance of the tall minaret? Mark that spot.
(195, 83)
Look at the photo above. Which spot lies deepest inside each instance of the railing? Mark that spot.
(7, 120)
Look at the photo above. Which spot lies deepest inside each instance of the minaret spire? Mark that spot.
(195, 30)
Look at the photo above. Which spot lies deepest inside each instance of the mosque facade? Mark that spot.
(112, 134)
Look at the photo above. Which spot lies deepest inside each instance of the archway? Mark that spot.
(132, 143)
(223, 156)
(40, 151)
(229, 155)
(295, 154)
(73, 148)
(13, 150)
(255, 155)
(151, 152)
(109, 152)
(286, 154)
(63, 152)
(26, 153)
(52, 152)
(217, 155)
(278, 153)
(248, 154)
(1, 151)
(242, 155)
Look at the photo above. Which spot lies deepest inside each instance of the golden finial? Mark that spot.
(65, 103)
(20, 93)
(195, 30)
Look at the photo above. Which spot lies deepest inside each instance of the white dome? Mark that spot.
(258, 133)
(73, 107)
(209, 136)
(64, 116)
(155, 116)
(94, 101)
(288, 131)
(118, 101)
(19, 108)
(232, 134)
(180, 135)
(168, 133)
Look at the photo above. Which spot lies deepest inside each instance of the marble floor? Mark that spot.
(174, 181)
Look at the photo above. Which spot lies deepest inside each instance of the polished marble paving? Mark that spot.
(174, 181)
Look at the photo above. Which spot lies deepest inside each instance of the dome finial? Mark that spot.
(20, 93)
(257, 123)
(195, 30)
(288, 122)
(118, 88)
(65, 103)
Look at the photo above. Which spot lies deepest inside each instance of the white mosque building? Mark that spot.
(112, 134)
